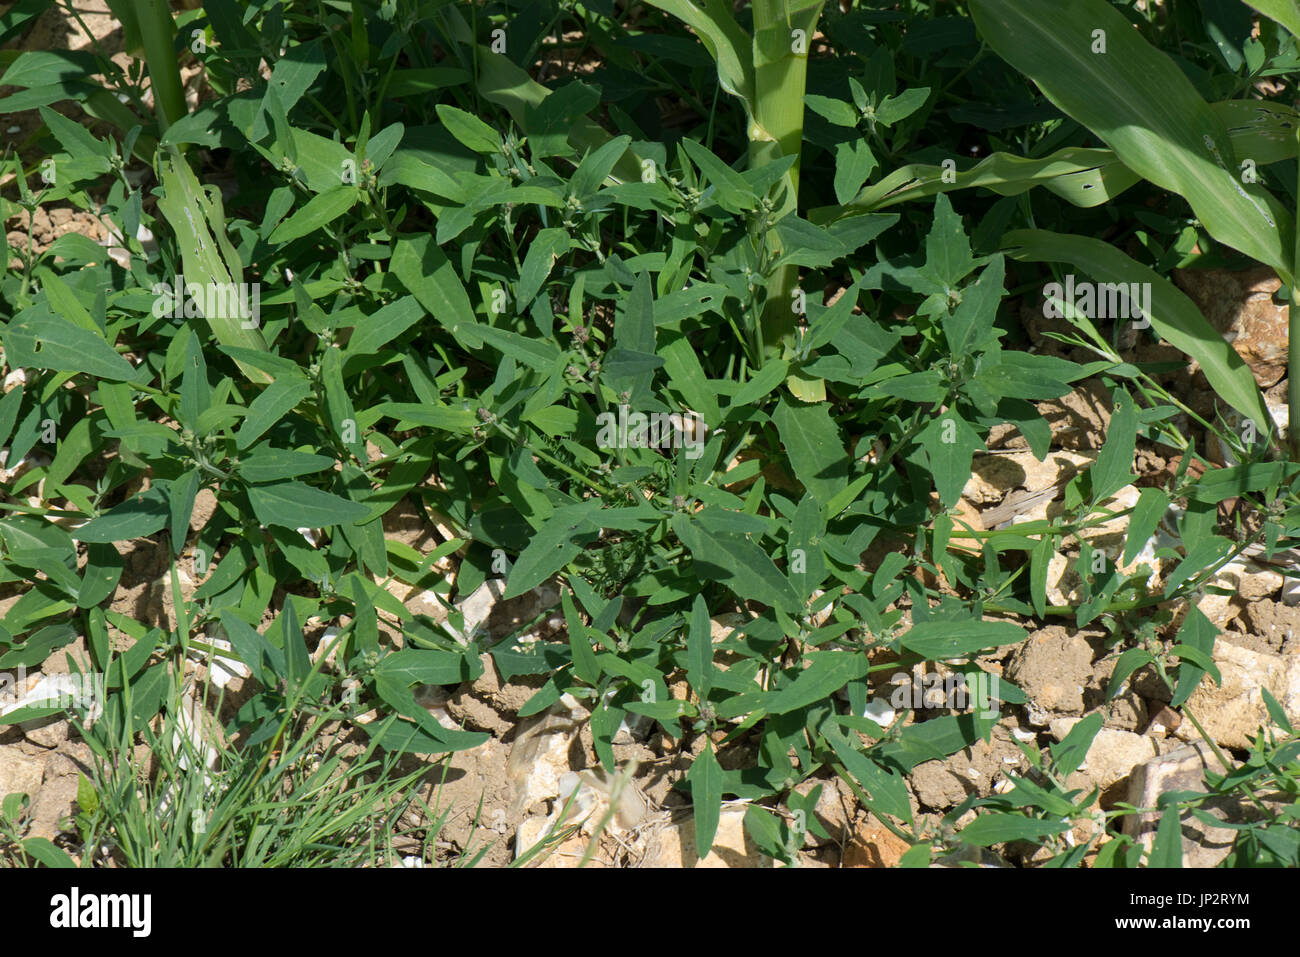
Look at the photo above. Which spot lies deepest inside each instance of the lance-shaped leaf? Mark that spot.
(501, 82)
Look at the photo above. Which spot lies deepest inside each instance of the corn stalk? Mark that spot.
(767, 73)
(150, 23)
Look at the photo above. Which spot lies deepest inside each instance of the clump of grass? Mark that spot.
(301, 799)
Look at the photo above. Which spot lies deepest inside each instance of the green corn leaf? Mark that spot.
(1259, 130)
(196, 218)
(1285, 12)
(1173, 316)
(1090, 62)
(726, 42)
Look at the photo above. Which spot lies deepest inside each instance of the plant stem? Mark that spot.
(1293, 355)
(157, 30)
(776, 130)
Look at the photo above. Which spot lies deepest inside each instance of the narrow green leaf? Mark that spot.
(378, 330)
(1285, 12)
(1199, 633)
(996, 828)
(1070, 753)
(295, 505)
(585, 667)
(1167, 849)
(1127, 663)
(469, 130)
(705, 778)
(699, 650)
(427, 274)
(1151, 506)
(137, 517)
(1114, 466)
(951, 444)
(814, 446)
(319, 211)
(36, 338)
(940, 640)
(827, 673)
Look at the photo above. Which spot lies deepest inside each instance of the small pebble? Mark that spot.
(1291, 591)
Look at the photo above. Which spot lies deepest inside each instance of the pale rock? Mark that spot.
(993, 475)
(477, 607)
(1184, 769)
(47, 732)
(1052, 667)
(433, 699)
(1063, 581)
(20, 773)
(1240, 305)
(937, 786)
(568, 853)
(879, 711)
(1233, 712)
(1248, 580)
(1220, 609)
(674, 845)
(1281, 414)
(1112, 754)
(223, 668)
(1054, 471)
(540, 755)
(722, 626)
(584, 798)
(874, 845)
(1291, 591)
